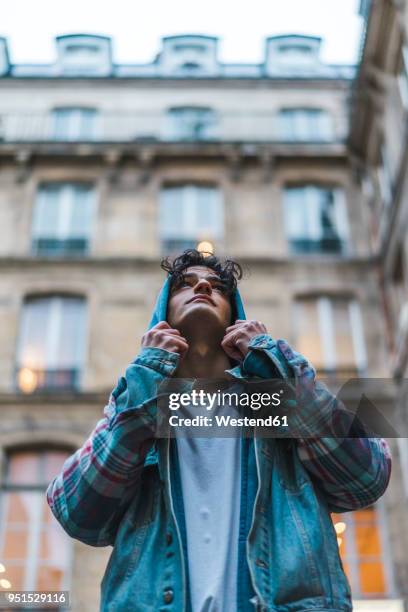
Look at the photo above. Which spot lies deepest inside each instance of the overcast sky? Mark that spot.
(136, 27)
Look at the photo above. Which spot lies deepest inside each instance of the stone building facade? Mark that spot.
(378, 142)
(105, 168)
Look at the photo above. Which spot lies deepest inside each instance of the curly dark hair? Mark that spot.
(228, 270)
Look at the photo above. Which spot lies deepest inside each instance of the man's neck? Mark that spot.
(204, 360)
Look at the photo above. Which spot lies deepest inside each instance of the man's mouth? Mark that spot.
(202, 297)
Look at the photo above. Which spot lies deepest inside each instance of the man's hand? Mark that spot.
(165, 337)
(238, 336)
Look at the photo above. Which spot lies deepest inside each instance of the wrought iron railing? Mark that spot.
(142, 126)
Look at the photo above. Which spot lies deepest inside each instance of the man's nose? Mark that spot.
(203, 286)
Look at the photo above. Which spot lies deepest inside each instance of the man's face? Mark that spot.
(199, 299)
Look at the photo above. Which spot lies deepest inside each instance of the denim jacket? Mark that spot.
(122, 488)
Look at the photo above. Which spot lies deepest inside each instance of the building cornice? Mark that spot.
(13, 262)
(147, 150)
(165, 81)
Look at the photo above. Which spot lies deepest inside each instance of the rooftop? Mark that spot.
(81, 55)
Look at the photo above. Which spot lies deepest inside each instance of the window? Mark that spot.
(188, 56)
(51, 344)
(305, 124)
(361, 550)
(295, 49)
(329, 332)
(297, 55)
(315, 219)
(74, 124)
(63, 219)
(385, 178)
(189, 214)
(190, 67)
(34, 549)
(190, 48)
(84, 54)
(403, 78)
(398, 281)
(4, 57)
(82, 49)
(191, 123)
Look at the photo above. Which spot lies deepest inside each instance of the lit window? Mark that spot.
(63, 219)
(191, 123)
(51, 344)
(205, 247)
(190, 214)
(329, 333)
(315, 219)
(35, 552)
(74, 124)
(361, 550)
(305, 124)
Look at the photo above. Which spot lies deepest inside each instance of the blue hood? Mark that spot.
(160, 314)
(160, 309)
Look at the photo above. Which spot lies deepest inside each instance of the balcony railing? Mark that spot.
(53, 247)
(262, 126)
(330, 245)
(31, 380)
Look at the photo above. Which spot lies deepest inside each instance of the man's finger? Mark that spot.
(233, 352)
(178, 342)
(230, 338)
(161, 325)
(174, 338)
(235, 326)
(172, 331)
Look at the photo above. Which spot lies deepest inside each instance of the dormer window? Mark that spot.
(84, 55)
(4, 58)
(189, 55)
(292, 54)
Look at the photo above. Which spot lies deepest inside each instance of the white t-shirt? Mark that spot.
(210, 472)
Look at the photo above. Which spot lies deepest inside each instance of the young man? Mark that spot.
(214, 524)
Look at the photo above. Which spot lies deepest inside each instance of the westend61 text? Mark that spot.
(227, 421)
(201, 398)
